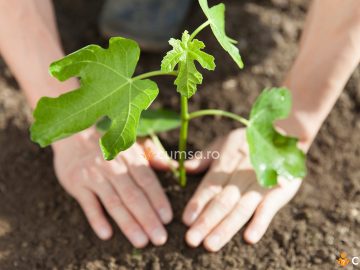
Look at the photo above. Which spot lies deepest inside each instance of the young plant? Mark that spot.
(111, 96)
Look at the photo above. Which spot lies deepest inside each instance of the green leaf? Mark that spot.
(107, 89)
(188, 79)
(273, 154)
(155, 121)
(216, 17)
(151, 122)
(184, 54)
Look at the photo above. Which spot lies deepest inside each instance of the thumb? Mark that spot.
(203, 160)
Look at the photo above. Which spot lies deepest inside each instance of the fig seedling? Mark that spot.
(110, 93)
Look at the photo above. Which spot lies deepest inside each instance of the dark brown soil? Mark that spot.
(41, 227)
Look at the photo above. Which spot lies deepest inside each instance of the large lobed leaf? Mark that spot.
(273, 154)
(184, 54)
(216, 17)
(107, 89)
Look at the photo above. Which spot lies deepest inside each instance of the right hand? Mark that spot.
(126, 187)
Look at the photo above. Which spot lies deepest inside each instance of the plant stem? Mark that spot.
(198, 30)
(154, 73)
(220, 113)
(183, 140)
(158, 144)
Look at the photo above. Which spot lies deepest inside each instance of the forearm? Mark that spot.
(329, 52)
(29, 42)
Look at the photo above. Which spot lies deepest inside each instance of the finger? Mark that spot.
(146, 179)
(217, 209)
(202, 161)
(211, 186)
(267, 209)
(242, 212)
(116, 209)
(220, 206)
(156, 157)
(214, 180)
(94, 213)
(136, 202)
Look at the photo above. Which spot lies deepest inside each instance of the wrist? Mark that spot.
(310, 108)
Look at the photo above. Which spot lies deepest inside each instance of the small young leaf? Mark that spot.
(216, 17)
(184, 54)
(188, 79)
(273, 154)
(151, 122)
(107, 89)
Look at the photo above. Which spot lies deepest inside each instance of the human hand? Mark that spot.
(126, 187)
(229, 196)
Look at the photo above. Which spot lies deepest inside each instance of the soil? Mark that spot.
(41, 227)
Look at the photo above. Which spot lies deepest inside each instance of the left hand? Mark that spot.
(125, 187)
(229, 196)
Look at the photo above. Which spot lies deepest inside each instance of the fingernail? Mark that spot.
(253, 236)
(194, 237)
(165, 215)
(139, 239)
(213, 241)
(104, 233)
(159, 236)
